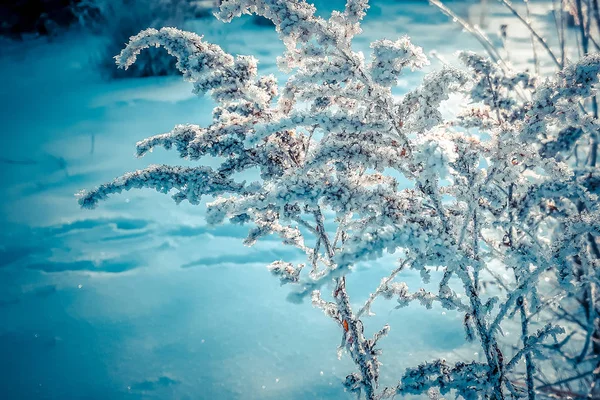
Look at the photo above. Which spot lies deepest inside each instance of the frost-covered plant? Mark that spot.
(330, 146)
(118, 20)
(576, 143)
(553, 122)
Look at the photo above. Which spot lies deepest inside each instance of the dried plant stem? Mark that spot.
(540, 39)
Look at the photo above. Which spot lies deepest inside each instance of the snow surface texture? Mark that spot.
(125, 301)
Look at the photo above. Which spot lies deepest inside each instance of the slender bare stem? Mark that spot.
(540, 39)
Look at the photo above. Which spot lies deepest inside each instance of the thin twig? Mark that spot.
(485, 42)
(374, 295)
(536, 63)
(566, 380)
(540, 39)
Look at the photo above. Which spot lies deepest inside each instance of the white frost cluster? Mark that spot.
(391, 57)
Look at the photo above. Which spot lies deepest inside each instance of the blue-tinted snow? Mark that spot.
(139, 299)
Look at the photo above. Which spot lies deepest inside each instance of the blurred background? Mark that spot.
(139, 299)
